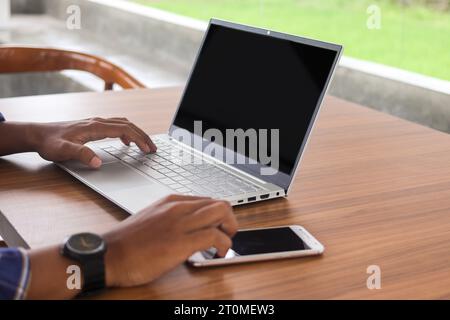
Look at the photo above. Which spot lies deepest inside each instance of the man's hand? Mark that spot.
(61, 141)
(144, 246)
(159, 238)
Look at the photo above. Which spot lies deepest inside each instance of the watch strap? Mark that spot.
(94, 277)
(92, 268)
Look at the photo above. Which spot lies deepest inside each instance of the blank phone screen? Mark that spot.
(262, 241)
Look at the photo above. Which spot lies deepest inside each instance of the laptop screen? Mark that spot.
(267, 84)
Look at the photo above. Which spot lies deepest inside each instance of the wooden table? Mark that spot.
(374, 189)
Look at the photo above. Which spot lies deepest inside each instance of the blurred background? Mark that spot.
(412, 34)
(396, 56)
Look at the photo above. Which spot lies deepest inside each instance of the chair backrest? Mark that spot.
(33, 59)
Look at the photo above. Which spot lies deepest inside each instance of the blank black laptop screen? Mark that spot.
(248, 80)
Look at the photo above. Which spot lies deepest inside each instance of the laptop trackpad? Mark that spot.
(113, 176)
(123, 185)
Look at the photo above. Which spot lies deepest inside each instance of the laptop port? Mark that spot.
(251, 199)
(264, 196)
(240, 201)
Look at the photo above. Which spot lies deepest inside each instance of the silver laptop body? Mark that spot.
(134, 180)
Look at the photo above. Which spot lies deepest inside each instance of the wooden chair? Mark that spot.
(33, 59)
(2, 243)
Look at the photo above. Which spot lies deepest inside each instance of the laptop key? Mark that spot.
(176, 185)
(188, 175)
(171, 174)
(128, 159)
(152, 173)
(166, 181)
(197, 188)
(183, 190)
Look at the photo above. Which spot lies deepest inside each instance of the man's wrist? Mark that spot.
(33, 136)
(49, 274)
(112, 259)
(18, 137)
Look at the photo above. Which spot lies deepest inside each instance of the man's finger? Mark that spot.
(215, 215)
(210, 238)
(186, 207)
(101, 130)
(83, 154)
(125, 141)
(180, 197)
(145, 135)
(135, 127)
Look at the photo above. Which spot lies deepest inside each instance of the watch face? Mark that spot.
(86, 243)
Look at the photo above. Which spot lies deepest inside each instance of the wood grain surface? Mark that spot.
(374, 189)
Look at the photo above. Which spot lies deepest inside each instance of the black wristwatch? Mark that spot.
(88, 250)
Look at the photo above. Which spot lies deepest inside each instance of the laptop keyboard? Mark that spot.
(182, 171)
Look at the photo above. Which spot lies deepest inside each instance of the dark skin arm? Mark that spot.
(16, 137)
(166, 233)
(63, 141)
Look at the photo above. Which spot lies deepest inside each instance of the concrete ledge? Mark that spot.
(149, 12)
(405, 94)
(29, 84)
(411, 102)
(147, 33)
(27, 6)
(395, 74)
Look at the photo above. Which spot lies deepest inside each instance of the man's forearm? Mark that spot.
(16, 137)
(49, 275)
(49, 272)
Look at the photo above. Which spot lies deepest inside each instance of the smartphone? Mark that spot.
(261, 244)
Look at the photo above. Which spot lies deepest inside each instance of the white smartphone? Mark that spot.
(262, 244)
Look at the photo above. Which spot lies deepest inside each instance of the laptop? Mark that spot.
(240, 129)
